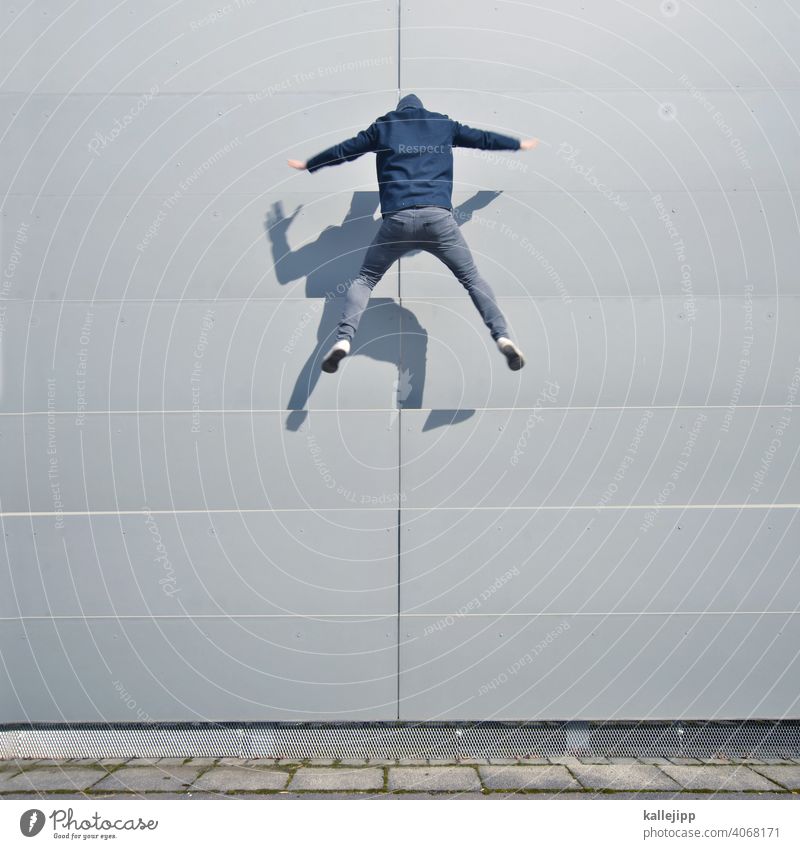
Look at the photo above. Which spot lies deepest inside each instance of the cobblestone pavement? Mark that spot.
(532, 778)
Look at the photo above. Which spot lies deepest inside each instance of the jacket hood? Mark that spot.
(410, 101)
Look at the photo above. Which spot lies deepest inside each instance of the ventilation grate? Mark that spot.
(398, 740)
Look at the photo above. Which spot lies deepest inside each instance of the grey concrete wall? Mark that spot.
(197, 526)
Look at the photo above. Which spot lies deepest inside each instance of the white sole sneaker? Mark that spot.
(512, 353)
(336, 354)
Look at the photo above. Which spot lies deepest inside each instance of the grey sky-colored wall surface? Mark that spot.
(197, 525)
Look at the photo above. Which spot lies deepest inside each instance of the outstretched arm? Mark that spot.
(465, 136)
(346, 151)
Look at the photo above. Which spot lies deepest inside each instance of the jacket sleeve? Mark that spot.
(346, 151)
(464, 136)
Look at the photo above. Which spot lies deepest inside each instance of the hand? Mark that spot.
(297, 163)
(528, 144)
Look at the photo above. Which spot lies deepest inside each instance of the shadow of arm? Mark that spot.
(289, 265)
(463, 212)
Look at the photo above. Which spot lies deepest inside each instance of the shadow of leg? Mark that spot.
(310, 372)
(442, 418)
(413, 361)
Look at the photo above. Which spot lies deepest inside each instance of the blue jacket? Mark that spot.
(414, 150)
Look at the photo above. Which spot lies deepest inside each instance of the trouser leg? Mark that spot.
(387, 246)
(450, 246)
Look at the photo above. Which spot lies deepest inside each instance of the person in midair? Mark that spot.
(414, 163)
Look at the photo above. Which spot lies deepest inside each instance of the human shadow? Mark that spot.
(328, 264)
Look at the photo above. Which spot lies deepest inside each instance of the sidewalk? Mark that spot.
(531, 778)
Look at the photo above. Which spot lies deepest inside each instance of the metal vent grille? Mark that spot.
(391, 740)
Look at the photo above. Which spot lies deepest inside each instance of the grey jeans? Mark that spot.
(428, 228)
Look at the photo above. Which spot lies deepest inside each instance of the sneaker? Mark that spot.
(337, 353)
(512, 353)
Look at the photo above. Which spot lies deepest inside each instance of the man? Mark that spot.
(415, 180)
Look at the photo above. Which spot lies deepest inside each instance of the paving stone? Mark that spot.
(568, 762)
(721, 777)
(787, 775)
(149, 778)
(639, 796)
(320, 778)
(653, 760)
(353, 762)
(503, 761)
(223, 778)
(78, 762)
(16, 764)
(51, 778)
(551, 777)
(531, 760)
(289, 762)
(27, 763)
(436, 778)
(583, 795)
(70, 762)
(623, 777)
(83, 797)
(202, 761)
(412, 761)
(321, 762)
(381, 762)
(593, 760)
(362, 796)
(680, 761)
